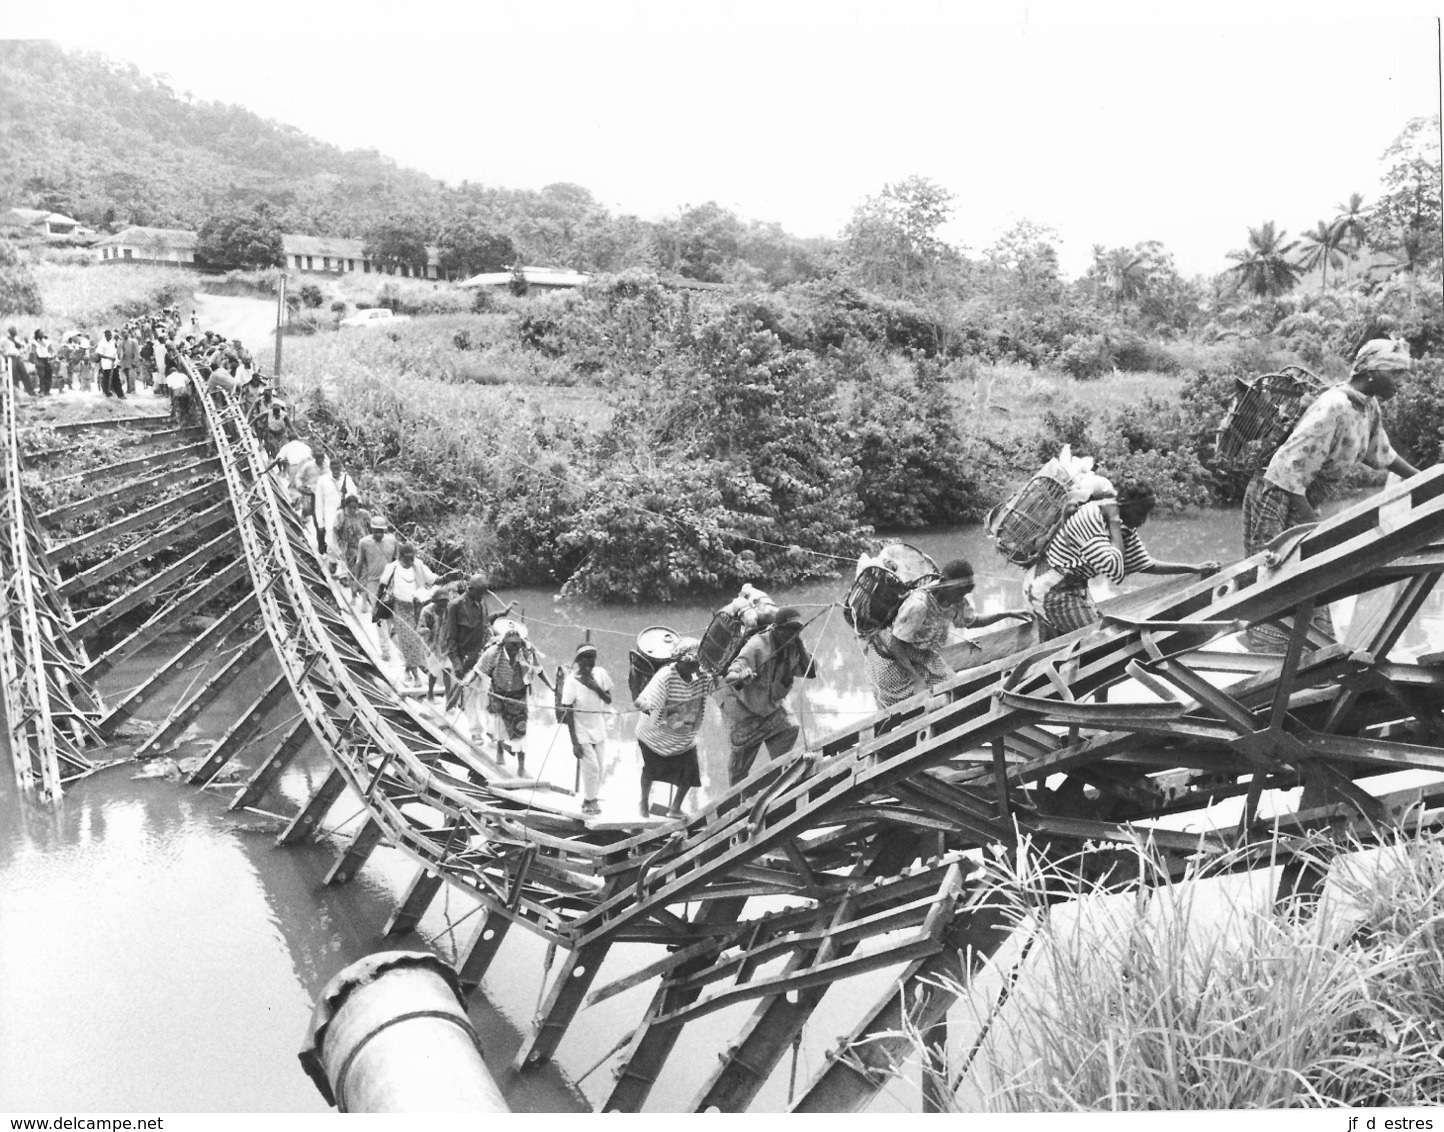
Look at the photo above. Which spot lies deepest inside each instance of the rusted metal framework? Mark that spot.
(858, 855)
(50, 711)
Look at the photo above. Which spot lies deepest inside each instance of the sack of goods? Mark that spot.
(1023, 525)
(883, 581)
(1261, 416)
(730, 628)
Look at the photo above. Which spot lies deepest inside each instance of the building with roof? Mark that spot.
(149, 245)
(324, 255)
(338, 255)
(40, 222)
(538, 278)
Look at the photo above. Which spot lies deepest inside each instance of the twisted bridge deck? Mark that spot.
(850, 857)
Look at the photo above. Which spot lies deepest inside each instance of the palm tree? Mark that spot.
(1125, 273)
(1264, 268)
(1352, 226)
(1321, 249)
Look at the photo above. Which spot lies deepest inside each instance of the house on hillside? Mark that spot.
(338, 255)
(38, 222)
(540, 279)
(149, 245)
(326, 255)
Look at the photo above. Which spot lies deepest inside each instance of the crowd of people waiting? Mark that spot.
(136, 356)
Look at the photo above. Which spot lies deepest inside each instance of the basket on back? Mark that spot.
(882, 584)
(1263, 413)
(1023, 525)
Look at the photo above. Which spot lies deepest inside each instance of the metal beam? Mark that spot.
(240, 732)
(288, 746)
(81, 545)
(156, 584)
(651, 1044)
(192, 705)
(357, 850)
(867, 1058)
(138, 490)
(563, 1000)
(242, 611)
(186, 530)
(166, 617)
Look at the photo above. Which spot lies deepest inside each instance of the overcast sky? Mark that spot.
(1112, 123)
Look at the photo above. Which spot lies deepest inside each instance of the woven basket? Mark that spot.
(1262, 415)
(1023, 525)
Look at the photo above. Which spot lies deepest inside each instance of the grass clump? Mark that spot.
(1198, 993)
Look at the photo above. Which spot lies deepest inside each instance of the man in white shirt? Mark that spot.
(587, 694)
(110, 367)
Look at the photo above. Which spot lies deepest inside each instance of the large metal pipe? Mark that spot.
(390, 1034)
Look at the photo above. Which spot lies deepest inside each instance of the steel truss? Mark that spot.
(859, 854)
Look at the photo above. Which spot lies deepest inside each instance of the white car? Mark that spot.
(374, 316)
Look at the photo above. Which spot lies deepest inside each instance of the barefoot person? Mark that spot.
(672, 705)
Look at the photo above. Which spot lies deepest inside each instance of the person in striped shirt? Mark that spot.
(1099, 540)
(672, 706)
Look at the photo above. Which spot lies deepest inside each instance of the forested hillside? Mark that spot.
(96, 139)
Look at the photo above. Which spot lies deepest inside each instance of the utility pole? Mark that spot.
(280, 328)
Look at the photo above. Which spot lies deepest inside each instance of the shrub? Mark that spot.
(311, 295)
(912, 465)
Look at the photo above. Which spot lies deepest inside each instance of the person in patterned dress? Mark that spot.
(906, 658)
(1099, 540)
(1342, 428)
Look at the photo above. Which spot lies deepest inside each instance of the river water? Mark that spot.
(160, 953)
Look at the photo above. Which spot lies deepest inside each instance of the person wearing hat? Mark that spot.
(431, 626)
(375, 552)
(672, 706)
(1342, 428)
(753, 696)
(465, 631)
(510, 664)
(586, 703)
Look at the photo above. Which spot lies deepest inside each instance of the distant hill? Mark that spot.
(98, 140)
(93, 138)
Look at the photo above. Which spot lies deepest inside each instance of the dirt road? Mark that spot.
(253, 321)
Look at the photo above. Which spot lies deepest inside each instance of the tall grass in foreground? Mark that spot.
(1200, 994)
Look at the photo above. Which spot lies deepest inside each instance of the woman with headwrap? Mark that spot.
(753, 696)
(906, 658)
(1342, 428)
(672, 705)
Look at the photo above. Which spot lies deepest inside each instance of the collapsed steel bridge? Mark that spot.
(853, 856)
